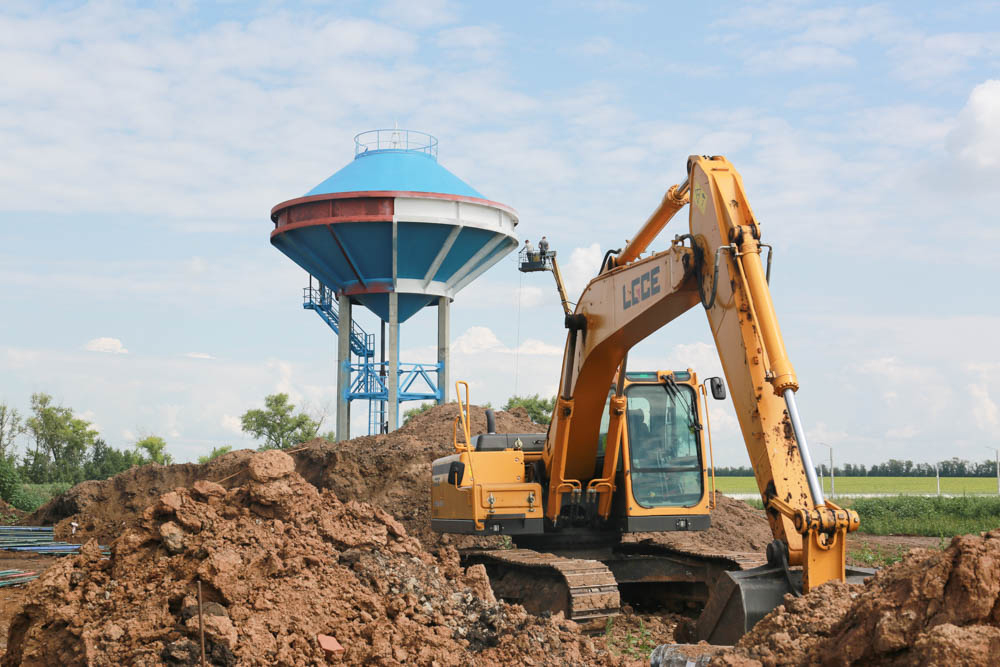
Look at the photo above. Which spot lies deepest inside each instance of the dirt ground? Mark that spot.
(12, 597)
(281, 564)
(935, 607)
(343, 527)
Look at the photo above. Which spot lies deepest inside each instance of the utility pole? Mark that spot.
(937, 475)
(997, 452)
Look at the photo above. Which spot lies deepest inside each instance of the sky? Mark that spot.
(142, 147)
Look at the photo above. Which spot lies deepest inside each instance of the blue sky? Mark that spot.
(141, 150)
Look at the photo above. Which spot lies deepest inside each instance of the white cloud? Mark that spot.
(231, 424)
(801, 56)
(813, 95)
(902, 433)
(581, 269)
(537, 347)
(91, 417)
(984, 410)
(907, 125)
(471, 42)
(423, 14)
(198, 355)
(109, 345)
(596, 46)
(976, 139)
(928, 58)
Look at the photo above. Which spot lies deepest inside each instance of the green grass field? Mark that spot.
(892, 485)
(975, 506)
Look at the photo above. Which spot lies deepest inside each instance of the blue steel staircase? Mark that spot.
(368, 377)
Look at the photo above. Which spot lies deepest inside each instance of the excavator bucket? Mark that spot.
(741, 598)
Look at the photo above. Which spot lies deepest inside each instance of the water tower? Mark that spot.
(393, 231)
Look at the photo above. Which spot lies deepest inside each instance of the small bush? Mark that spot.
(30, 497)
(10, 480)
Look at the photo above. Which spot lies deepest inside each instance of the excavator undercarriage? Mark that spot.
(591, 586)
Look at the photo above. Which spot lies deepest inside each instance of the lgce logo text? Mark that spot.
(642, 288)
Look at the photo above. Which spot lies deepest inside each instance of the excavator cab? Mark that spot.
(663, 478)
(665, 457)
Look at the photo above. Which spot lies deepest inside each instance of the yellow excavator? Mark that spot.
(630, 452)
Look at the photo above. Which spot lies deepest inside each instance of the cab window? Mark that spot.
(664, 445)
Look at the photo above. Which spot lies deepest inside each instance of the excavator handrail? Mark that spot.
(708, 432)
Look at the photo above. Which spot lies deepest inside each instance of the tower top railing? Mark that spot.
(395, 139)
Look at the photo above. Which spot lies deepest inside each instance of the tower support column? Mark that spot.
(344, 368)
(444, 346)
(393, 382)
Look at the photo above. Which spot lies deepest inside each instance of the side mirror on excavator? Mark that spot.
(718, 388)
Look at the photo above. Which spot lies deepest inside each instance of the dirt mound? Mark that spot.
(10, 514)
(393, 471)
(390, 471)
(104, 508)
(280, 564)
(932, 608)
(735, 526)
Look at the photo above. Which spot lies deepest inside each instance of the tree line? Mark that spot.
(953, 467)
(62, 449)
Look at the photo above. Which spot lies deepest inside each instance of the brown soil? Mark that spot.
(12, 597)
(391, 471)
(632, 635)
(104, 508)
(9, 514)
(280, 563)
(932, 608)
(735, 526)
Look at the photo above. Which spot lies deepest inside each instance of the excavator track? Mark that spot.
(585, 586)
(732, 560)
(583, 589)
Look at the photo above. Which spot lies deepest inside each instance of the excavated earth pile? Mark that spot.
(393, 471)
(735, 526)
(280, 564)
(104, 508)
(932, 608)
(390, 471)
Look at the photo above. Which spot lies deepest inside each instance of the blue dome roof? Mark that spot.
(395, 170)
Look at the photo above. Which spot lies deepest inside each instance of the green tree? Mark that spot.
(539, 409)
(61, 443)
(216, 453)
(155, 448)
(278, 425)
(11, 427)
(10, 481)
(106, 461)
(420, 409)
